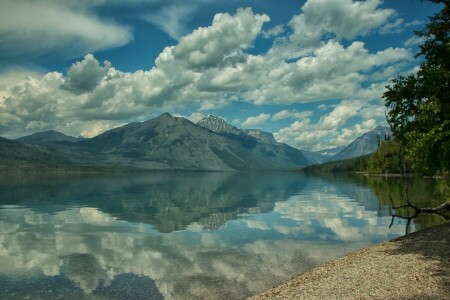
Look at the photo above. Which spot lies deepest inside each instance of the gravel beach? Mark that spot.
(416, 266)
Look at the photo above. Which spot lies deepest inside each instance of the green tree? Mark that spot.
(419, 104)
(389, 158)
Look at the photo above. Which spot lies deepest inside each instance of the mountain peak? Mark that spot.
(218, 125)
(365, 144)
(213, 117)
(48, 136)
(261, 135)
(381, 128)
(167, 118)
(165, 115)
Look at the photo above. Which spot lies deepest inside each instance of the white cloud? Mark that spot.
(93, 128)
(91, 92)
(343, 18)
(33, 29)
(208, 47)
(257, 120)
(338, 116)
(397, 26)
(273, 32)
(349, 134)
(334, 129)
(413, 41)
(288, 134)
(172, 18)
(87, 74)
(193, 117)
(286, 114)
(332, 71)
(11, 76)
(212, 67)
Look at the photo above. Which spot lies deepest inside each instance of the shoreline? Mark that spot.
(415, 266)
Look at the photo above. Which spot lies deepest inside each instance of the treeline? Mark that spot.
(352, 165)
(59, 169)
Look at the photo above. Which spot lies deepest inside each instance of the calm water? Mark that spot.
(187, 235)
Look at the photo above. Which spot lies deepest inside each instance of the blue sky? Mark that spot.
(312, 72)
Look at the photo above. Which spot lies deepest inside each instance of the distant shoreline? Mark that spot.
(415, 266)
(86, 170)
(409, 175)
(45, 169)
(93, 169)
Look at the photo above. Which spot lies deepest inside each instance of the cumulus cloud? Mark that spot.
(333, 129)
(342, 18)
(69, 29)
(213, 66)
(101, 95)
(54, 101)
(331, 72)
(339, 115)
(86, 75)
(208, 47)
(257, 120)
(13, 75)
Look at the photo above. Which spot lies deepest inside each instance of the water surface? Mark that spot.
(187, 235)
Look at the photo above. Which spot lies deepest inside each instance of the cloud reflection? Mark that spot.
(227, 251)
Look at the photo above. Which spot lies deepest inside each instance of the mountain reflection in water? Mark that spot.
(178, 235)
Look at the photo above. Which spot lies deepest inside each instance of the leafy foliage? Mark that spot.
(389, 158)
(419, 104)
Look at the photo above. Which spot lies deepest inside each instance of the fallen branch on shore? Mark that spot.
(438, 210)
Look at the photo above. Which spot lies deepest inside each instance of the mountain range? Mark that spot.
(365, 144)
(170, 143)
(50, 136)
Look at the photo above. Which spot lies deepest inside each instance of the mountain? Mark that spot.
(321, 156)
(330, 152)
(217, 124)
(16, 153)
(163, 143)
(50, 136)
(263, 145)
(261, 135)
(169, 142)
(365, 144)
(315, 157)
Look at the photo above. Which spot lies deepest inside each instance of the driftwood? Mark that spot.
(438, 210)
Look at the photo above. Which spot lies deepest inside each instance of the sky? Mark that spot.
(311, 72)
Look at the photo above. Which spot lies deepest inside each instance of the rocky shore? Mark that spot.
(416, 266)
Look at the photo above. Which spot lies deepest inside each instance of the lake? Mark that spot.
(188, 235)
